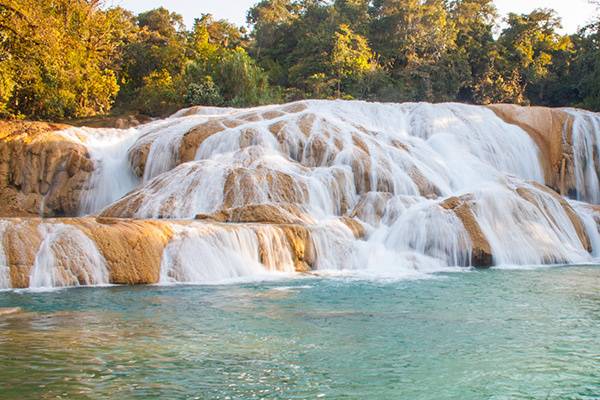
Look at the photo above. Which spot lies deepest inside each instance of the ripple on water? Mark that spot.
(492, 334)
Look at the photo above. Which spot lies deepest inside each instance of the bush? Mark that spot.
(159, 95)
(206, 92)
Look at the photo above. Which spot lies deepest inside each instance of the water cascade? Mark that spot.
(112, 177)
(4, 268)
(390, 189)
(586, 151)
(67, 257)
(209, 254)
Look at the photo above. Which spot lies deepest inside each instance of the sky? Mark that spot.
(574, 13)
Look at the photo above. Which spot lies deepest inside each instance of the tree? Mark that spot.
(159, 94)
(160, 44)
(415, 39)
(529, 45)
(474, 21)
(57, 58)
(351, 58)
(204, 92)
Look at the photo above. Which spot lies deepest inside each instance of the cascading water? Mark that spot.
(525, 229)
(590, 218)
(201, 253)
(392, 189)
(112, 177)
(4, 269)
(109, 148)
(67, 257)
(586, 152)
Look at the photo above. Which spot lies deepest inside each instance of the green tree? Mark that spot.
(415, 40)
(159, 95)
(351, 58)
(160, 44)
(58, 59)
(204, 92)
(474, 21)
(529, 45)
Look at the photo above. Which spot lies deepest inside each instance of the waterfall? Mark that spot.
(591, 221)
(164, 139)
(202, 253)
(4, 268)
(67, 257)
(586, 155)
(390, 189)
(112, 177)
(522, 231)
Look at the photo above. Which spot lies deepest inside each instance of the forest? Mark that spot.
(64, 59)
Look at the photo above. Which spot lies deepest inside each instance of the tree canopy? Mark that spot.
(76, 58)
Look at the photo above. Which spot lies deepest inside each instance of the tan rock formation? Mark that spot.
(138, 155)
(298, 237)
(21, 242)
(194, 138)
(132, 248)
(551, 129)
(247, 186)
(282, 213)
(358, 229)
(371, 207)
(481, 256)
(118, 122)
(41, 172)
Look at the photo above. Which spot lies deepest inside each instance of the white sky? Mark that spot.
(574, 13)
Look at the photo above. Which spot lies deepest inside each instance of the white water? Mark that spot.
(201, 253)
(388, 166)
(591, 220)
(586, 151)
(521, 232)
(110, 149)
(4, 269)
(112, 176)
(67, 257)
(351, 149)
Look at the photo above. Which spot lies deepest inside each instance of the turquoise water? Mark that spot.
(496, 334)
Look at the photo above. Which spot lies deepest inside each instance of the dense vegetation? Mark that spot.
(76, 58)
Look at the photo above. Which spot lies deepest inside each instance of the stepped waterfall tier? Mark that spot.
(212, 195)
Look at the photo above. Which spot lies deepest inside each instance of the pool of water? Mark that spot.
(499, 334)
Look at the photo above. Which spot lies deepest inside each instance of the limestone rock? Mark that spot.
(283, 213)
(551, 129)
(41, 171)
(132, 249)
(194, 138)
(482, 256)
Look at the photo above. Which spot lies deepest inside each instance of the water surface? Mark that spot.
(499, 334)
